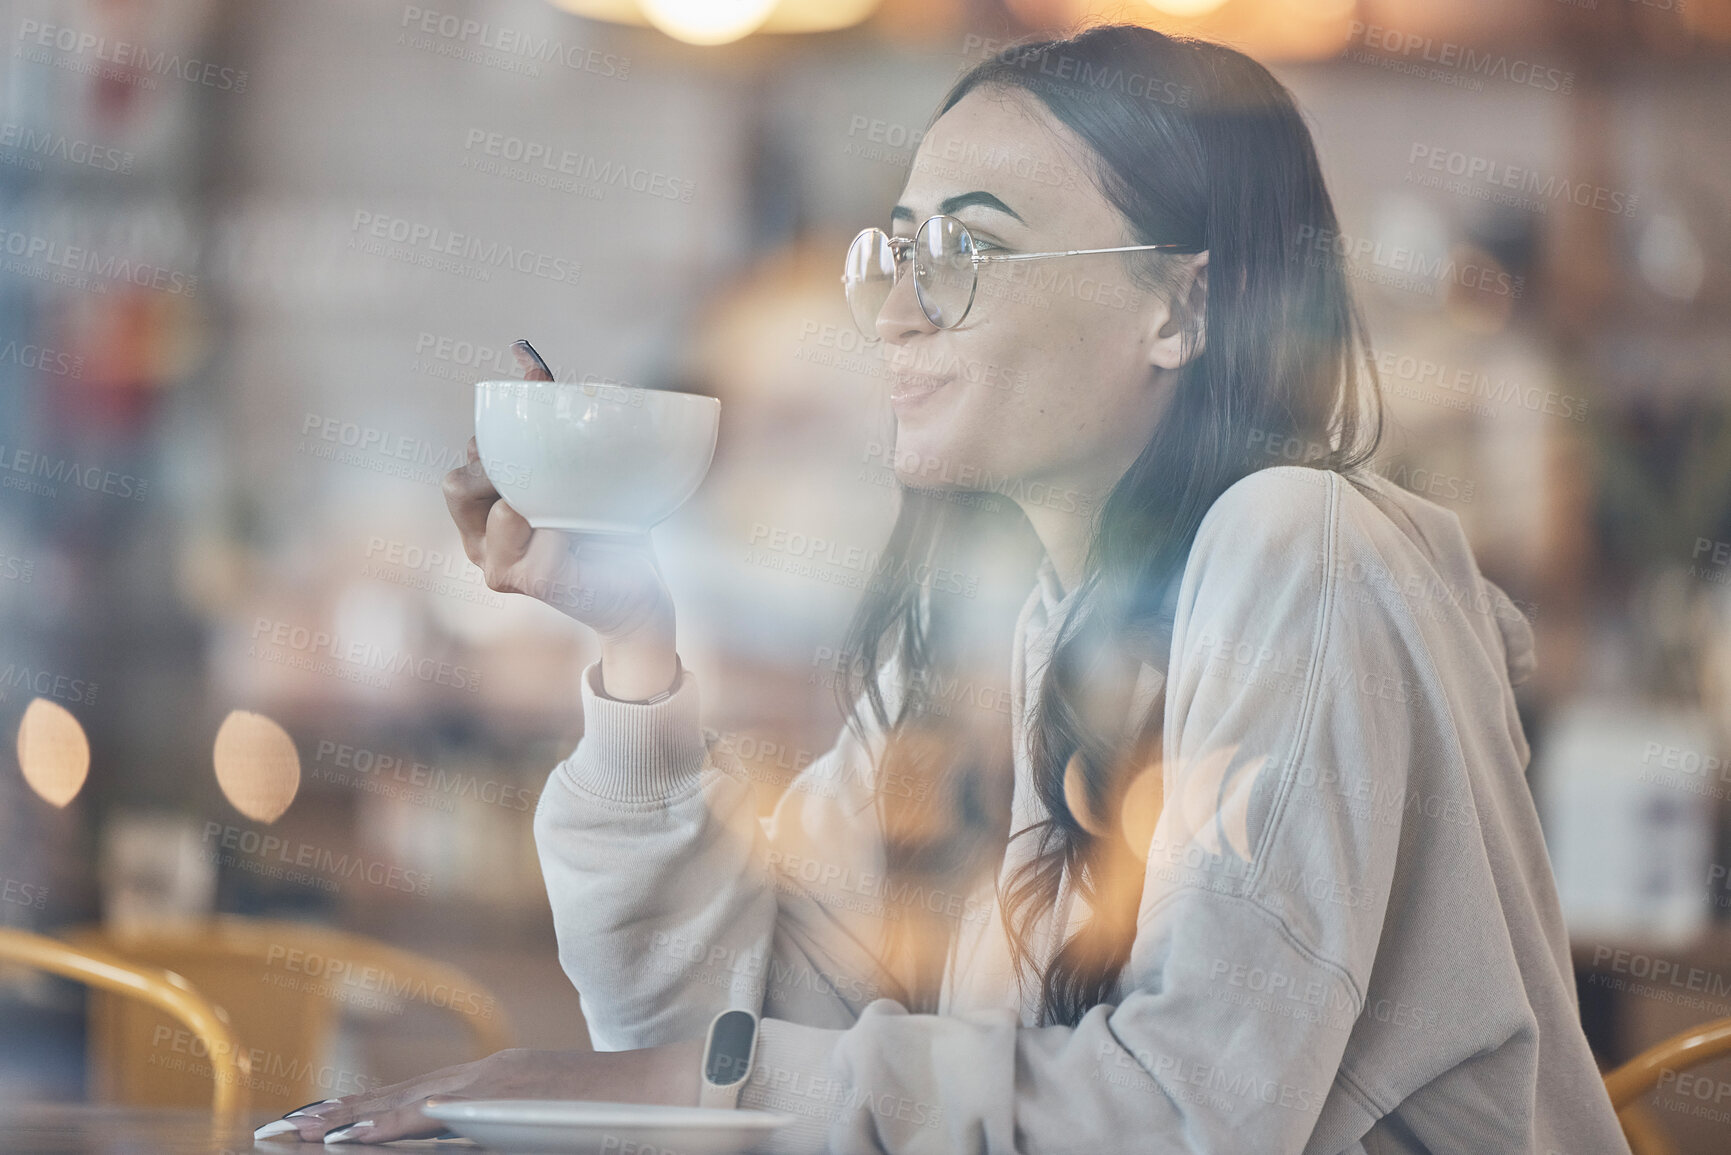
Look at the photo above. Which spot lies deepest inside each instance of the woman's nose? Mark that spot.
(901, 317)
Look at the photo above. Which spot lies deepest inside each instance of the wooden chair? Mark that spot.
(1627, 1083)
(205, 1024)
(285, 984)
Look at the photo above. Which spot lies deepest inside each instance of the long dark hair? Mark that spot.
(1192, 142)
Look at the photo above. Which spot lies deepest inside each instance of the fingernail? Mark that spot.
(304, 1108)
(341, 1134)
(274, 1127)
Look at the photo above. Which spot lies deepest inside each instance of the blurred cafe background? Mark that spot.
(236, 359)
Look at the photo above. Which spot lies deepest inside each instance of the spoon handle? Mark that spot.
(529, 349)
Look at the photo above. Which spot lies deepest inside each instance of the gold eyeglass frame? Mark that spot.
(901, 248)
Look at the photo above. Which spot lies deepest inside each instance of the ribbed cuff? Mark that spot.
(632, 752)
(791, 1076)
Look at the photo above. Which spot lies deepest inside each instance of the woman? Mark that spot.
(1251, 866)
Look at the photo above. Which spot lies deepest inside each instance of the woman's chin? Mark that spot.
(919, 468)
(921, 453)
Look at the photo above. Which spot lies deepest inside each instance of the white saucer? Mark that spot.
(590, 1128)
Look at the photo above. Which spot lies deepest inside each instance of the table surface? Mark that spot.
(78, 1128)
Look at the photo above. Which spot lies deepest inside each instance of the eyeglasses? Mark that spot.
(946, 261)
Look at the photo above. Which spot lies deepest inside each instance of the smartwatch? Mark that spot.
(727, 1057)
(678, 674)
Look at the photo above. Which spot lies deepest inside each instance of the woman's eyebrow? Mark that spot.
(957, 203)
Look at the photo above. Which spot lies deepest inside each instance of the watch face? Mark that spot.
(729, 1058)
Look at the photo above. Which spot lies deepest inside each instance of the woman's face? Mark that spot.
(1060, 369)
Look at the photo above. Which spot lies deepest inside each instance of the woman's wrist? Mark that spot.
(678, 673)
(641, 665)
(676, 1069)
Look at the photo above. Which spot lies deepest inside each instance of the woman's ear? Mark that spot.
(1179, 325)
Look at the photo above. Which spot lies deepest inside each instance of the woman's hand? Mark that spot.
(611, 584)
(665, 1074)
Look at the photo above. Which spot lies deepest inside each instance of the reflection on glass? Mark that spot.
(256, 765)
(1143, 799)
(53, 751)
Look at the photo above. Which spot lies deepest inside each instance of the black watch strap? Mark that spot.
(728, 1055)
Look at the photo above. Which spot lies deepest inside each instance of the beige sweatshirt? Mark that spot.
(1348, 941)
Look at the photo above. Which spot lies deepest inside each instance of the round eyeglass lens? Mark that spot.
(869, 276)
(944, 270)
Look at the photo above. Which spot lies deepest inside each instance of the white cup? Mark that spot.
(594, 457)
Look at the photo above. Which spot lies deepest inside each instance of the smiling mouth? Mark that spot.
(906, 386)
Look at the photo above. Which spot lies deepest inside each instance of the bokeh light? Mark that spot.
(53, 751)
(257, 765)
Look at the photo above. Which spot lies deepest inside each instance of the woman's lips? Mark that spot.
(909, 388)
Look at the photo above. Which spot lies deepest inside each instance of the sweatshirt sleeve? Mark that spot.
(673, 901)
(1292, 717)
